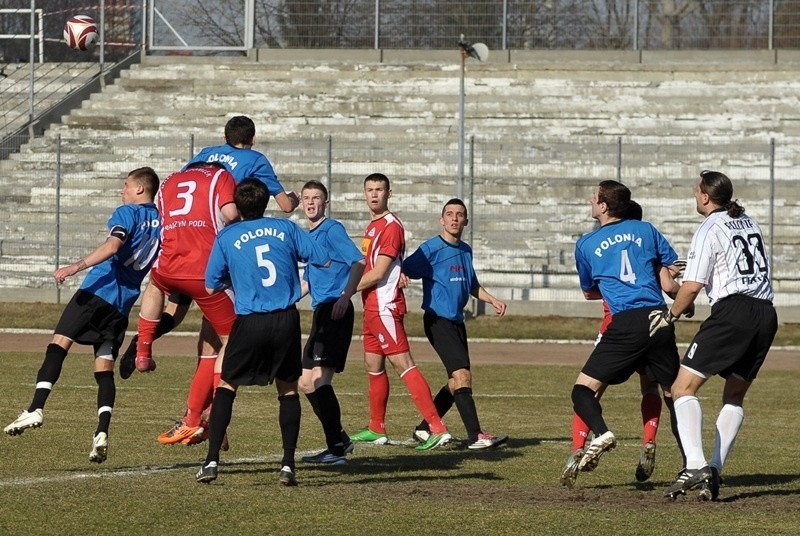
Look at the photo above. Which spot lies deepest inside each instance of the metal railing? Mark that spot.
(528, 204)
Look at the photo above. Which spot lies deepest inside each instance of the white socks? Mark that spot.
(729, 422)
(690, 428)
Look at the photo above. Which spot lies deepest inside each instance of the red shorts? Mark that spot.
(384, 334)
(217, 308)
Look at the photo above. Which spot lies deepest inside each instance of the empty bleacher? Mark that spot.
(545, 132)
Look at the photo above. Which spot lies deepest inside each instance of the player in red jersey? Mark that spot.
(194, 205)
(384, 307)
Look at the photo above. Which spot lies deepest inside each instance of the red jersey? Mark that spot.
(385, 236)
(606, 318)
(190, 203)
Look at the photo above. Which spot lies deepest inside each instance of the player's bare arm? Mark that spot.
(377, 274)
(229, 213)
(104, 251)
(684, 301)
(287, 201)
(341, 305)
(482, 294)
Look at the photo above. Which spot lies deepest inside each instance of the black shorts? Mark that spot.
(179, 299)
(627, 346)
(734, 339)
(93, 321)
(262, 347)
(329, 340)
(449, 339)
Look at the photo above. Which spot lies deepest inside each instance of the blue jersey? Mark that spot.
(118, 279)
(448, 277)
(622, 259)
(242, 164)
(259, 257)
(326, 284)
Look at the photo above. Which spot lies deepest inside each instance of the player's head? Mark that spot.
(634, 211)
(377, 192)
(240, 130)
(714, 190)
(205, 165)
(454, 218)
(251, 197)
(314, 198)
(378, 177)
(455, 201)
(316, 185)
(610, 198)
(142, 182)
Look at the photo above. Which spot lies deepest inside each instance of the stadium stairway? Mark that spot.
(536, 126)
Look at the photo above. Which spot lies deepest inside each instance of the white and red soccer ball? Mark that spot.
(80, 32)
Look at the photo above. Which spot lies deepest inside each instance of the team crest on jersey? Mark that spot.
(371, 232)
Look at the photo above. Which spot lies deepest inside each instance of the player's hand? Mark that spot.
(340, 307)
(62, 274)
(499, 307)
(690, 311)
(660, 320)
(403, 281)
(676, 268)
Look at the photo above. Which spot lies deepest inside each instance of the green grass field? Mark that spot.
(48, 486)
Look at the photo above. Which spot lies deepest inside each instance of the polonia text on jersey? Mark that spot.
(227, 159)
(618, 238)
(258, 233)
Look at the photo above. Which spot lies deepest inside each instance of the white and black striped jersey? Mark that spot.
(729, 257)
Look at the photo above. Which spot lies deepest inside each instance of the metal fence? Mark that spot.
(214, 26)
(528, 204)
(501, 24)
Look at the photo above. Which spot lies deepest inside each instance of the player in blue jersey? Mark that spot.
(242, 161)
(444, 263)
(620, 262)
(98, 312)
(239, 157)
(331, 290)
(729, 259)
(258, 258)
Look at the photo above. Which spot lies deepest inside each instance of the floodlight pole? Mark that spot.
(466, 49)
(460, 191)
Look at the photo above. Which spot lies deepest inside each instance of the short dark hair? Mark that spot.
(616, 196)
(378, 177)
(147, 177)
(455, 201)
(634, 211)
(315, 185)
(719, 189)
(240, 130)
(205, 164)
(251, 197)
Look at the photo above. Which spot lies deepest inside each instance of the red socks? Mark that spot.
(421, 395)
(147, 333)
(378, 398)
(651, 412)
(580, 431)
(201, 390)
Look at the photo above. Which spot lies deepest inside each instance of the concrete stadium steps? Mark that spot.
(531, 194)
(52, 82)
(600, 102)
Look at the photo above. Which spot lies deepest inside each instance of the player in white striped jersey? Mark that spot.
(728, 258)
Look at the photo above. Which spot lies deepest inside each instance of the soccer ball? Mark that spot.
(80, 32)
